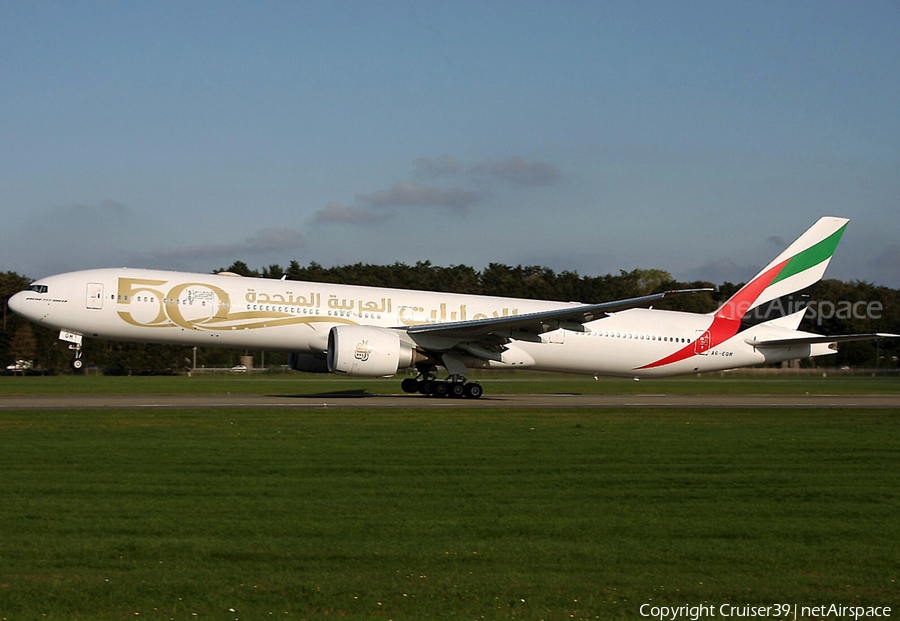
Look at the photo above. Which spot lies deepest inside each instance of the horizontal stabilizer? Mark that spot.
(812, 340)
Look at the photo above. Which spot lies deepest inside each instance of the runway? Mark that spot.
(361, 399)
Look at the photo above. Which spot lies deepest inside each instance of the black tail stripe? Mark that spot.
(779, 307)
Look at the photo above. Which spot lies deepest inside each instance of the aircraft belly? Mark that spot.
(728, 355)
(588, 354)
(287, 339)
(302, 338)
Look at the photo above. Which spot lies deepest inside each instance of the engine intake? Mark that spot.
(367, 351)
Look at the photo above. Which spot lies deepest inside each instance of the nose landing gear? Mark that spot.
(75, 343)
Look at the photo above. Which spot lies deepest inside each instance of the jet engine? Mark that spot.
(367, 351)
(309, 363)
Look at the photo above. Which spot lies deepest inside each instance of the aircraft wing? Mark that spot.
(571, 317)
(812, 340)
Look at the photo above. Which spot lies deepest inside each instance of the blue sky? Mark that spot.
(693, 137)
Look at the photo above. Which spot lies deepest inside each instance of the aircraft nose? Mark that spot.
(17, 303)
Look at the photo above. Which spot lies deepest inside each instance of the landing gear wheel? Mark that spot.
(78, 364)
(410, 385)
(440, 389)
(457, 390)
(473, 391)
(426, 387)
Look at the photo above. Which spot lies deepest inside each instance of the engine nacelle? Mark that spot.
(367, 351)
(309, 363)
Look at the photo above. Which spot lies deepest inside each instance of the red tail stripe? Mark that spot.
(740, 302)
(727, 320)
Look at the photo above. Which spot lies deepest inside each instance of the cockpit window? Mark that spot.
(37, 288)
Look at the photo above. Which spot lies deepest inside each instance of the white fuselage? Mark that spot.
(279, 315)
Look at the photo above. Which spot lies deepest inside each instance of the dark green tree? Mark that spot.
(23, 345)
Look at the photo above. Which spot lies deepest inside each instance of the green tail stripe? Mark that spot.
(810, 257)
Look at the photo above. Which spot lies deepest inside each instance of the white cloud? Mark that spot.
(403, 194)
(518, 171)
(265, 241)
(347, 214)
(430, 169)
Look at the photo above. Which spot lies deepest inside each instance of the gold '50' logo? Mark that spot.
(148, 304)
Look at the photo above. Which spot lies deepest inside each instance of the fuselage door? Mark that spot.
(556, 336)
(199, 304)
(95, 295)
(412, 315)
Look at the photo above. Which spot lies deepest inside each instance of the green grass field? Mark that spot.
(494, 383)
(459, 514)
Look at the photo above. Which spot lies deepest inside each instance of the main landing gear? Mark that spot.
(454, 386)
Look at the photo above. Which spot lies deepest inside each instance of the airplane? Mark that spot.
(374, 332)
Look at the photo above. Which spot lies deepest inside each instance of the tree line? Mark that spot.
(841, 308)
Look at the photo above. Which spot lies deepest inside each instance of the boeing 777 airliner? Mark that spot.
(374, 332)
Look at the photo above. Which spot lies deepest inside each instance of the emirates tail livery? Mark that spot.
(373, 332)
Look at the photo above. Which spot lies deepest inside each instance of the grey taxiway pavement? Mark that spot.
(356, 399)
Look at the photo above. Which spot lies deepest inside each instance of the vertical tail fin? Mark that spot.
(780, 292)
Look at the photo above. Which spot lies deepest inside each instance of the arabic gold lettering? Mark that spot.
(408, 315)
(342, 304)
(458, 316)
(288, 299)
(505, 312)
(373, 306)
